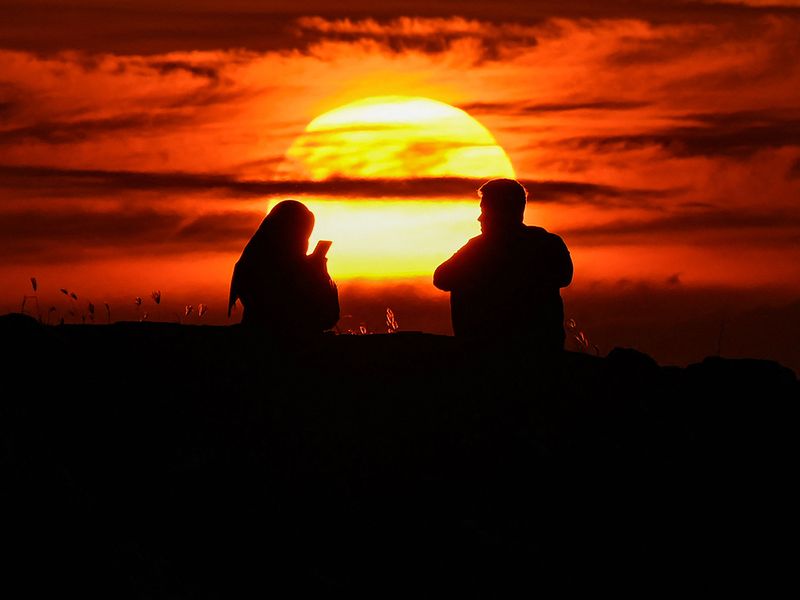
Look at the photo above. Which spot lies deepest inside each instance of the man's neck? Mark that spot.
(509, 232)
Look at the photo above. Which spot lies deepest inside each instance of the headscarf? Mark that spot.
(284, 233)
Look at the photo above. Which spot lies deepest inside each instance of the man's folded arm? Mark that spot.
(455, 271)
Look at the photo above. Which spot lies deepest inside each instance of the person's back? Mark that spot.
(505, 283)
(290, 298)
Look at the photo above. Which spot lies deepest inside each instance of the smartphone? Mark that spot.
(322, 248)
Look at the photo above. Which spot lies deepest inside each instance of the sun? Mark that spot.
(394, 138)
(397, 137)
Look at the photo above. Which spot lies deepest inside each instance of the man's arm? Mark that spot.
(458, 270)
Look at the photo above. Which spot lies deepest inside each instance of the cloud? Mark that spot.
(30, 236)
(141, 27)
(219, 231)
(736, 134)
(68, 132)
(7, 108)
(591, 193)
(667, 44)
(430, 35)
(210, 96)
(170, 66)
(62, 237)
(523, 108)
(698, 228)
(89, 182)
(794, 170)
(11, 100)
(158, 26)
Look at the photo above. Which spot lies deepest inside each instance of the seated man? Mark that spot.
(504, 284)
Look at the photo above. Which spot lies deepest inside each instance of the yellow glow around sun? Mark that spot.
(395, 239)
(394, 137)
(398, 137)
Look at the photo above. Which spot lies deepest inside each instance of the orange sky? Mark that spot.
(141, 144)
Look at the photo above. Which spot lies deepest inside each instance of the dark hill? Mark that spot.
(160, 460)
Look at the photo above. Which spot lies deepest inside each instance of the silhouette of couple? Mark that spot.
(504, 284)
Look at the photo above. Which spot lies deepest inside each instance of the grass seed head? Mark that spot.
(391, 321)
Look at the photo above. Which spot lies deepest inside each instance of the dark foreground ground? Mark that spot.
(159, 460)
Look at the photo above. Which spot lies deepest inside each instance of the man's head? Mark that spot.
(502, 205)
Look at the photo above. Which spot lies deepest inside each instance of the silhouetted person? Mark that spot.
(282, 290)
(505, 283)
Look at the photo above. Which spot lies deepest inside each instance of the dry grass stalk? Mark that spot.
(391, 321)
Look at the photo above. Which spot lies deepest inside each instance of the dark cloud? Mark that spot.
(64, 236)
(738, 134)
(523, 108)
(696, 228)
(7, 110)
(11, 100)
(774, 37)
(203, 71)
(747, 118)
(794, 170)
(67, 132)
(88, 182)
(59, 237)
(87, 226)
(592, 193)
(99, 182)
(426, 35)
(735, 64)
(665, 48)
(219, 231)
(161, 26)
(209, 96)
(214, 89)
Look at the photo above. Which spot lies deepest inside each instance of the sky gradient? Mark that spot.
(141, 144)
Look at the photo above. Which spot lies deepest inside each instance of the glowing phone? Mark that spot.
(322, 248)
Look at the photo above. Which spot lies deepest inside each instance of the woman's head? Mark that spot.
(288, 226)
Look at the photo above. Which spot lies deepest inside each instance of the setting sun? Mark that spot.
(396, 137)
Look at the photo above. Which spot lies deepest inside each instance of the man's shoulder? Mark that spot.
(541, 235)
(474, 242)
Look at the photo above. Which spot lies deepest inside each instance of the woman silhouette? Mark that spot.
(282, 290)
